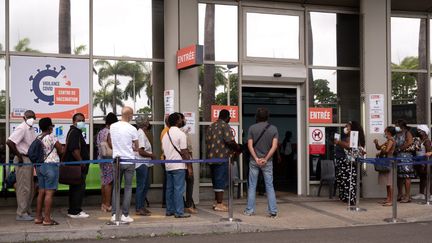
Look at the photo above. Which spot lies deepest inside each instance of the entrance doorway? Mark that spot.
(282, 106)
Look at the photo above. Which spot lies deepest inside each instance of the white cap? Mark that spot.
(424, 128)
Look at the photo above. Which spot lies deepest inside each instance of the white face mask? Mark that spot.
(30, 122)
(345, 130)
(398, 129)
(80, 125)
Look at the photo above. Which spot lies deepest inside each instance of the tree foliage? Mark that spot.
(322, 92)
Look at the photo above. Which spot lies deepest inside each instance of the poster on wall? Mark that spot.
(169, 101)
(51, 87)
(317, 140)
(59, 130)
(190, 122)
(376, 113)
(234, 131)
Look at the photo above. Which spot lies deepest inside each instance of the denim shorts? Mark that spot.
(219, 176)
(48, 176)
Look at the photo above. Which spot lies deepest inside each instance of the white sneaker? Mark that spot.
(126, 219)
(113, 218)
(81, 215)
(419, 197)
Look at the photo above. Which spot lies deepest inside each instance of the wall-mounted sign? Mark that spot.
(317, 140)
(190, 56)
(234, 131)
(169, 101)
(51, 87)
(376, 113)
(320, 115)
(215, 109)
(190, 122)
(60, 131)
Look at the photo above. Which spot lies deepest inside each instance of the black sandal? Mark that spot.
(53, 222)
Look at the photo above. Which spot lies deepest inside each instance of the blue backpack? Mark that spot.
(36, 152)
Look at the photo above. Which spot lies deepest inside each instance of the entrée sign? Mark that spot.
(190, 56)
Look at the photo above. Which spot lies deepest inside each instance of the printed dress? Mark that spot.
(347, 174)
(106, 169)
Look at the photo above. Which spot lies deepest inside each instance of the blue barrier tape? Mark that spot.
(98, 161)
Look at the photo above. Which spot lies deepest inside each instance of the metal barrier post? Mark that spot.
(230, 195)
(357, 203)
(117, 188)
(428, 184)
(394, 218)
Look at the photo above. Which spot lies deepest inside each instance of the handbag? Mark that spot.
(105, 150)
(70, 174)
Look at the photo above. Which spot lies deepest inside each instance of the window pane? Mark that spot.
(330, 153)
(119, 83)
(2, 88)
(42, 35)
(334, 39)
(272, 36)
(123, 28)
(337, 89)
(216, 84)
(409, 97)
(2, 25)
(218, 31)
(408, 43)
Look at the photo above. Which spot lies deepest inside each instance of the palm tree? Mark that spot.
(141, 78)
(64, 27)
(79, 49)
(103, 98)
(106, 70)
(208, 87)
(23, 46)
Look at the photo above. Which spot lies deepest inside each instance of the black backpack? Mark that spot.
(36, 152)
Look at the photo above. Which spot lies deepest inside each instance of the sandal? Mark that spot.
(53, 222)
(406, 200)
(37, 221)
(387, 204)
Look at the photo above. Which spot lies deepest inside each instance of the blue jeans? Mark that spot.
(142, 186)
(268, 180)
(127, 171)
(174, 191)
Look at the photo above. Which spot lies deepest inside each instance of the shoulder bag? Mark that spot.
(70, 174)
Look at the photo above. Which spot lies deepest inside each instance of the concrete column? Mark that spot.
(188, 22)
(375, 15)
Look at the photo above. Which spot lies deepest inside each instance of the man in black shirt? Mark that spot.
(76, 150)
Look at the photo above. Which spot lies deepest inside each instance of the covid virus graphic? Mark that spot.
(38, 78)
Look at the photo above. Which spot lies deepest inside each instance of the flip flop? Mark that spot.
(38, 222)
(53, 222)
(387, 204)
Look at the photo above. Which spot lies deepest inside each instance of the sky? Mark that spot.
(130, 34)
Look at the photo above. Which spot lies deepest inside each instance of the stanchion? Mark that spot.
(356, 207)
(394, 218)
(428, 184)
(117, 187)
(230, 196)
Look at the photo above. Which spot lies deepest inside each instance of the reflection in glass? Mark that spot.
(272, 36)
(123, 28)
(218, 31)
(334, 39)
(216, 84)
(408, 43)
(2, 88)
(57, 26)
(337, 89)
(119, 83)
(409, 97)
(2, 25)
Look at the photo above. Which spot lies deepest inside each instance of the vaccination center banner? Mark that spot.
(51, 87)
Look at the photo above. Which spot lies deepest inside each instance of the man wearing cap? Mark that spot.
(425, 147)
(19, 143)
(220, 145)
(142, 169)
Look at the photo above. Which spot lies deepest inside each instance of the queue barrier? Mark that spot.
(393, 163)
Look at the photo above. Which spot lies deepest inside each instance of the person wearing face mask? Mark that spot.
(19, 142)
(124, 141)
(347, 168)
(76, 150)
(425, 148)
(405, 147)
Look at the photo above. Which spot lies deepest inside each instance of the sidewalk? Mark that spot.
(295, 213)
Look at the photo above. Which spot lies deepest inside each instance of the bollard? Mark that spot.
(230, 195)
(356, 207)
(428, 184)
(394, 218)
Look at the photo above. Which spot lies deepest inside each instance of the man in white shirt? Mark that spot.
(124, 140)
(142, 169)
(174, 144)
(19, 142)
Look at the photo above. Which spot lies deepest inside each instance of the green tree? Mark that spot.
(80, 49)
(104, 97)
(322, 93)
(404, 85)
(140, 73)
(23, 45)
(222, 98)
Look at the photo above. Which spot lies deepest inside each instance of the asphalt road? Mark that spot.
(410, 232)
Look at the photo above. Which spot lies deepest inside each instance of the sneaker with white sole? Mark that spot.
(126, 219)
(419, 197)
(81, 215)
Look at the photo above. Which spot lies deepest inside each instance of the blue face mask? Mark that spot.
(80, 125)
(398, 129)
